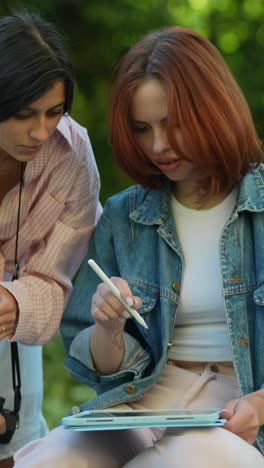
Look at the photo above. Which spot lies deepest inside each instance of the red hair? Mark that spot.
(204, 101)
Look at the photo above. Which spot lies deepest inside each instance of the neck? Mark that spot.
(9, 175)
(9, 166)
(197, 201)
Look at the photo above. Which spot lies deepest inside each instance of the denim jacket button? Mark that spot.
(75, 410)
(130, 388)
(176, 286)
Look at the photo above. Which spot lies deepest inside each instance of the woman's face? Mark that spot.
(149, 110)
(22, 135)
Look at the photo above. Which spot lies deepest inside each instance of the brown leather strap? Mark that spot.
(7, 463)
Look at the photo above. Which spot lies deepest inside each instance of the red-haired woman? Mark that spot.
(185, 247)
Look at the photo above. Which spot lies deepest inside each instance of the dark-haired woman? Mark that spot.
(47, 155)
(185, 246)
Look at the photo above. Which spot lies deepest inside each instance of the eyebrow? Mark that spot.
(50, 108)
(164, 119)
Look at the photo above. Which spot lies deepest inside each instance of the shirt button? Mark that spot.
(176, 286)
(130, 388)
(214, 368)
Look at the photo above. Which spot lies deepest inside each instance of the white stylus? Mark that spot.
(116, 292)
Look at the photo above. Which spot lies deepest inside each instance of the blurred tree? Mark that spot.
(98, 33)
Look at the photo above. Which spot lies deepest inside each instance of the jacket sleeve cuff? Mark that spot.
(134, 352)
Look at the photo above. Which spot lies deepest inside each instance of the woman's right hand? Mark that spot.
(107, 341)
(107, 310)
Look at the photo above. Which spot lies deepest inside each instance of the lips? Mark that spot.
(166, 165)
(31, 149)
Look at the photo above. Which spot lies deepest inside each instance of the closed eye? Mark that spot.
(140, 128)
(55, 113)
(22, 115)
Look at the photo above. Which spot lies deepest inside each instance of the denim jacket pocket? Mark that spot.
(259, 295)
(147, 293)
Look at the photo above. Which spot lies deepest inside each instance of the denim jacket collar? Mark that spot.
(251, 194)
(156, 208)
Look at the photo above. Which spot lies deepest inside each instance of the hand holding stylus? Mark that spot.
(108, 308)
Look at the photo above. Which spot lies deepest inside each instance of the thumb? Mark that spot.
(229, 409)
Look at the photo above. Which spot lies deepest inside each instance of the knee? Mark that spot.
(50, 459)
(58, 448)
(218, 447)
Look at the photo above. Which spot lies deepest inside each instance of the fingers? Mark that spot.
(107, 308)
(7, 330)
(7, 325)
(8, 313)
(7, 301)
(229, 409)
(242, 420)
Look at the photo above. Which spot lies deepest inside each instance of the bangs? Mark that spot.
(204, 102)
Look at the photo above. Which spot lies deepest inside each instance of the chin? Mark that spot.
(25, 157)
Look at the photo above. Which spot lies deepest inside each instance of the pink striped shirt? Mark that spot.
(58, 214)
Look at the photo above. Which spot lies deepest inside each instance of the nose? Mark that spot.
(39, 130)
(160, 141)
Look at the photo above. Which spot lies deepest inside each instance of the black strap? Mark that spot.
(16, 376)
(14, 348)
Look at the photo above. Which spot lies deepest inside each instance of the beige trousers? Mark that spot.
(207, 386)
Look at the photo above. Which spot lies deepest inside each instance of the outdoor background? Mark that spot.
(98, 33)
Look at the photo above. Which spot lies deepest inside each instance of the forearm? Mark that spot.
(107, 349)
(41, 304)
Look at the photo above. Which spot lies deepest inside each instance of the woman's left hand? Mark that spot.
(8, 313)
(243, 419)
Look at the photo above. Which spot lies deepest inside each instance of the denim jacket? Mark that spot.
(136, 239)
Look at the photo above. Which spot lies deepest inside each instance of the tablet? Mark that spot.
(106, 419)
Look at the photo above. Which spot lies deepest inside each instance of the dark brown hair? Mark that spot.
(33, 57)
(204, 99)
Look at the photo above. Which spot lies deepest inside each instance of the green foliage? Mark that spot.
(61, 391)
(99, 32)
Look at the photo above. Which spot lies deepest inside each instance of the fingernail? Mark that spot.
(121, 319)
(136, 302)
(125, 314)
(129, 301)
